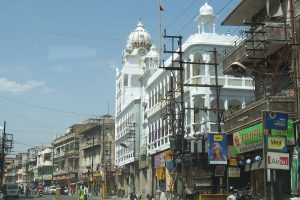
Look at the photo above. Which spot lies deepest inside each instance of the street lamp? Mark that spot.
(124, 145)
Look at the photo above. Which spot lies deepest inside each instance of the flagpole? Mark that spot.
(160, 31)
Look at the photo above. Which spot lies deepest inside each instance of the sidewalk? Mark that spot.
(108, 198)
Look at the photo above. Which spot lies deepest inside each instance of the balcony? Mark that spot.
(236, 120)
(97, 142)
(263, 42)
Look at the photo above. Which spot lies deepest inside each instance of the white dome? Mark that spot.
(153, 52)
(206, 10)
(139, 37)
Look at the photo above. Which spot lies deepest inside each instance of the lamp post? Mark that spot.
(124, 145)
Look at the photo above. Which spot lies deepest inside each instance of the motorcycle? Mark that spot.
(40, 193)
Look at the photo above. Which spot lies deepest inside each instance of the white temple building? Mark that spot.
(142, 132)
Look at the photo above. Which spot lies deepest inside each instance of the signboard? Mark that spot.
(219, 171)
(278, 160)
(276, 143)
(217, 148)
(234, 172)
(159, 160)
(47, 177)
(160, 173)
(233, 161)
(169, 181)
(295, 171)
(275, 120)
(251, 138)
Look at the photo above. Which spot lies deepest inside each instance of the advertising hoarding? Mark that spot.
(217, 148)
(278, 161)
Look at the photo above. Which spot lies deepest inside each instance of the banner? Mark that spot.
(251, 138)
(278, 160)
(295, 171)
(217, 148)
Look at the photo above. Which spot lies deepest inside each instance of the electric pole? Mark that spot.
(174, 110)
(6, 146)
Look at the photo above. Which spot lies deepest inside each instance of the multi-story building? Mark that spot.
(21, 168)
(10, 170)
(148, 105)
(44, 165)
(97, 154)
(66, 157)
(32, 170)
(268, 53)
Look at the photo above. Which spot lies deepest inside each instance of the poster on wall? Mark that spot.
(217, 149)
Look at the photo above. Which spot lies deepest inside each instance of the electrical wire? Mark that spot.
(45, 108)
(58, 34)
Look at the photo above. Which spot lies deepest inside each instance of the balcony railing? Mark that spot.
(269, 37)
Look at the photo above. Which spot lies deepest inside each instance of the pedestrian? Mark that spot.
(132, 196)
(86, 192)
(81, 193)
(149, 197)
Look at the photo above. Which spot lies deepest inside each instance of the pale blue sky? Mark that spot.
(58, 57)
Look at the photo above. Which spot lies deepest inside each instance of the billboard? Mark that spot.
(276, 120)
(251, 138)
(278, 160)
(217, 148)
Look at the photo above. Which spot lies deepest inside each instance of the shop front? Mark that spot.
(262, 159)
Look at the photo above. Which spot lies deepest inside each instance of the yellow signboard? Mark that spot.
(276, 143)
(160, 173)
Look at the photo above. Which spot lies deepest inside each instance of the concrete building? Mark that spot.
(66, 157)
(21, 168)
(10, 175)
(268, 54)
(44, 165)
(32, 169)
(97, 154)
(143, 117)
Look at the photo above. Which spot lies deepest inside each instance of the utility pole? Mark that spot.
(176, 119)
(6, 146)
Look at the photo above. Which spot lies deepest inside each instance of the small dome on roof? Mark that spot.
(153, 52)
(139, 37)
(206, 10)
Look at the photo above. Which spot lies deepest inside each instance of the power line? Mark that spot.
(45, 108)
(17, 142)
(58, 34)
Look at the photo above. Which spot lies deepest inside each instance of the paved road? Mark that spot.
(66, 197)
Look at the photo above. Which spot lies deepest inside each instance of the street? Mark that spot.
(65, 197)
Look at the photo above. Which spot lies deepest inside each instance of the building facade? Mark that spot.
(148, 101)
(97, 154)
(268, 54)
(66, 158)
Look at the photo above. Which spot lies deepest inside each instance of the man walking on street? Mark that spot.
(86, 192)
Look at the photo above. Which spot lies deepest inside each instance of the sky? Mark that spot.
(58, 58)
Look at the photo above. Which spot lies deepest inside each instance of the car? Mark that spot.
(11, 190)
(51, 189)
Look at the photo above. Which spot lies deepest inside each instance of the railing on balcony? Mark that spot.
(251, 44)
